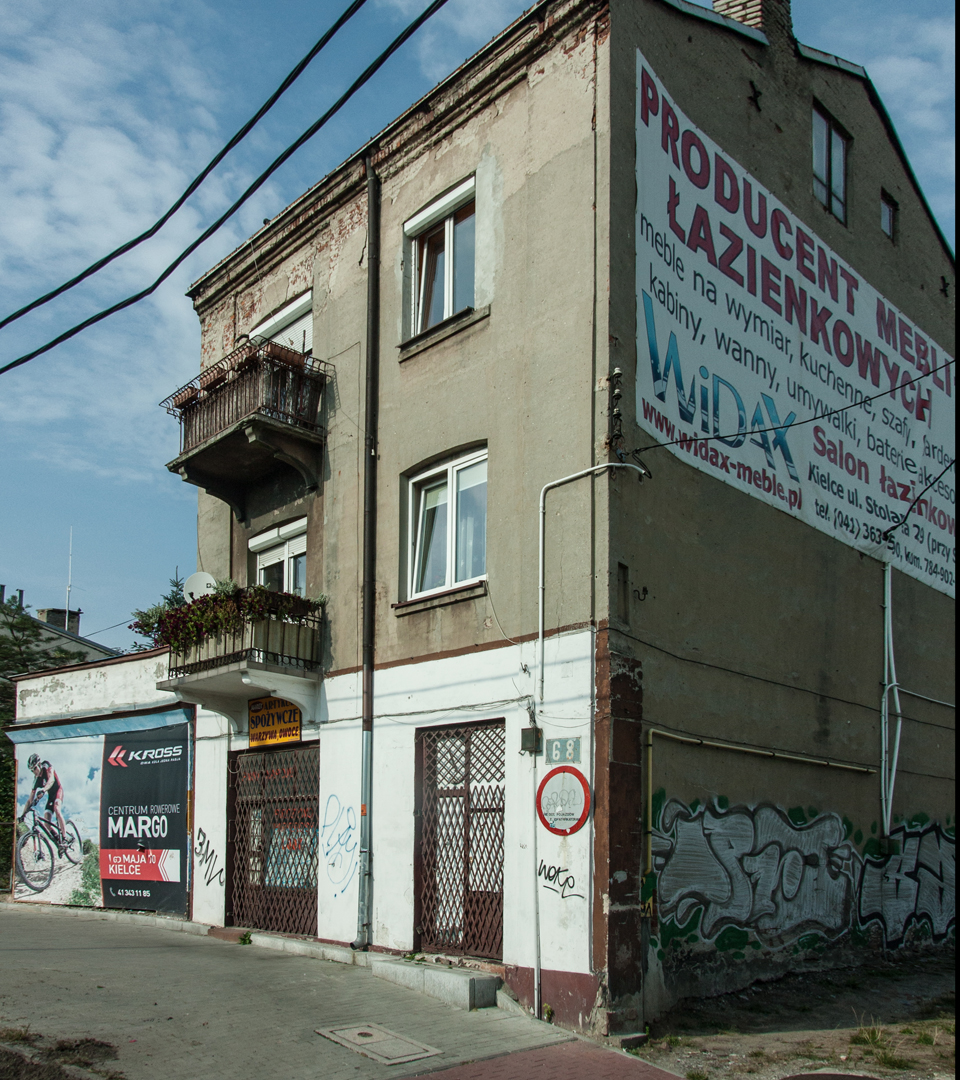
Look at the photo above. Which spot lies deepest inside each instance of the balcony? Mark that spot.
(256, 410)
(226, 650)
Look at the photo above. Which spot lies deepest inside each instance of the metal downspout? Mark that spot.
(368, 589)
(890, 687)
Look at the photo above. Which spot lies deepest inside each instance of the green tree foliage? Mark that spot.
(24, 646)
(145, 622)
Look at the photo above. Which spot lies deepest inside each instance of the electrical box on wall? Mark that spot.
(531, 740)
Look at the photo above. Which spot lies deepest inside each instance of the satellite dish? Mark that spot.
(198, 585)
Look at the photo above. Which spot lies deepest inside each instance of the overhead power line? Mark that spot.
(368, 74)
(93, 268)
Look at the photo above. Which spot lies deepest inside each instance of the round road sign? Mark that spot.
(563, 800)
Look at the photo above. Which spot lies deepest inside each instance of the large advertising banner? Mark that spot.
(761, 355)
(143, 819)
(107, 824)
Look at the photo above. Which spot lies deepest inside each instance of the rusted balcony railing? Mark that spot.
(258, 379)
(289, 644)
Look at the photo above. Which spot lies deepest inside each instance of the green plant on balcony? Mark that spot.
(225, 611)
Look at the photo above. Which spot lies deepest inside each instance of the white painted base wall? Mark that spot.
(488, 685)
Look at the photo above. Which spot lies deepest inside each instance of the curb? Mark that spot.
(163, 922)
(459, 987)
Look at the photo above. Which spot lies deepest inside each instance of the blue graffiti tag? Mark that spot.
(338, 837)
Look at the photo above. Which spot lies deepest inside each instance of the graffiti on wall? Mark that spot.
(560, 880)
(916, 886)
(761, 869)
(753, 868)
(338, 837)
(206, 857)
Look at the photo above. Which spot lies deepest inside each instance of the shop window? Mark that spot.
(830, 164)
(448, 525)
(281, 557)
(442, 248)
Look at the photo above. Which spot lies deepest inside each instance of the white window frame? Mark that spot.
(272, 329)
(281, 544)
(443, 209)
(415, 484)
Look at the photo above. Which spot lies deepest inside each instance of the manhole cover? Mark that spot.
(374, 1041)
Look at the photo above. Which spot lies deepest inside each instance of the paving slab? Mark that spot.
(178, 1006)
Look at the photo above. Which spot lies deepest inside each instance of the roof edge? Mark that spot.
(123, 658)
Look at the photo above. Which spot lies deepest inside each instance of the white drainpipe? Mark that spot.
(540, 634)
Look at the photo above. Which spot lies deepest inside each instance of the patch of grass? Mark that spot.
(246, 938)
(757, 1054)
(924, 1038)
(18, 1035)
(869, 1035)
(698, 1074)
(672, 1041)
(890, 1059)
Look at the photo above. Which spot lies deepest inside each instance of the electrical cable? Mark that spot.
(368, 74)
(790, 426)
(893, 528)
(772, 682)
(198, 180)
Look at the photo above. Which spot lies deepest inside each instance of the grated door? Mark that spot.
(460, 839)
(275, 802)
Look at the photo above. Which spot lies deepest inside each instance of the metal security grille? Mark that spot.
(275, 818)
(460, 839)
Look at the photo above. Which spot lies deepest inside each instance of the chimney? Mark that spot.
(773, 17)
(57, 616)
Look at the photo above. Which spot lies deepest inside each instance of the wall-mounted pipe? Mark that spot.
(543, 516)
(694, 740)
(368, 588)
(889, 759)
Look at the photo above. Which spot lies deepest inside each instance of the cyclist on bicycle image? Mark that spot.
(47, 783)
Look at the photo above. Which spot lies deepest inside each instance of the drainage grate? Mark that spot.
(374, 1041)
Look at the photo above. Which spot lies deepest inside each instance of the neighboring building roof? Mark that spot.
(114, 658)
(70, 638)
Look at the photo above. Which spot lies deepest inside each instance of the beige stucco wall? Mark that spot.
(521, 381)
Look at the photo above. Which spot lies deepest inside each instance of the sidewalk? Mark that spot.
(178, 1006)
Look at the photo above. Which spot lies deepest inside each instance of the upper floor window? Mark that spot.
(281, 555)
(292, 325)
(448, 525)
(888, 214)
(443, 248)
(830, 164)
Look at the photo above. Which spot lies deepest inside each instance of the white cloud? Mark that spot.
(105, 118)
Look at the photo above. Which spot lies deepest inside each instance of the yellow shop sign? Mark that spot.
(272, 721)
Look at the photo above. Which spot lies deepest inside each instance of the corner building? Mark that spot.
(637, 234)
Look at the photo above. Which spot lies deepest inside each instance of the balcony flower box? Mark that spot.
(268, 641)
(282, 354)
(211, 377)
(244, 357)
(185, 397)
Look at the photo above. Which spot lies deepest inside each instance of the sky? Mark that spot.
(107, 111)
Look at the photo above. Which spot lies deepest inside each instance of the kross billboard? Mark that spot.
(761, 355)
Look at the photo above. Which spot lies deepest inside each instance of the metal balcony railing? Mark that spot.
(289, 644)
(258, 379)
